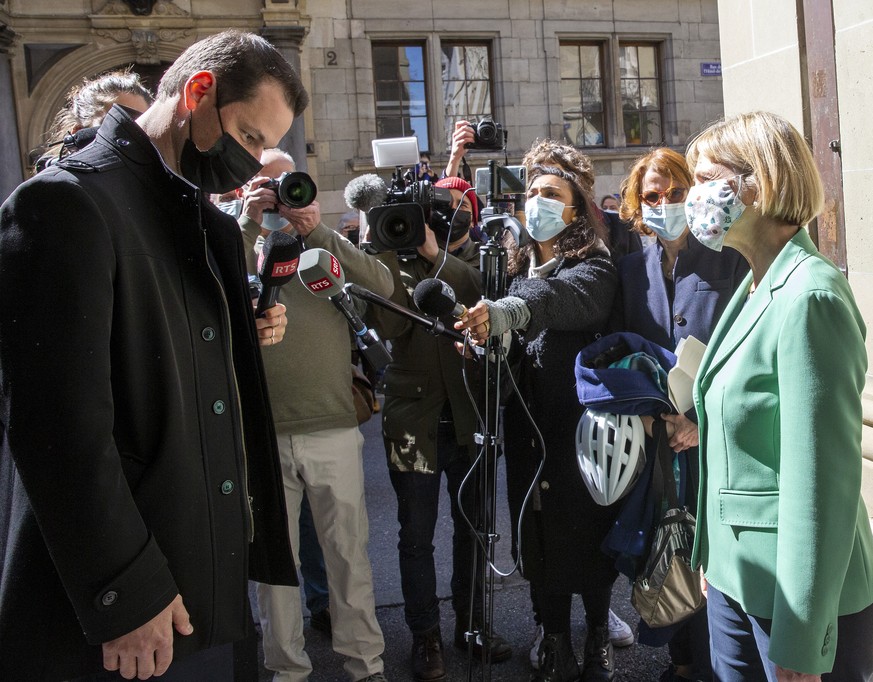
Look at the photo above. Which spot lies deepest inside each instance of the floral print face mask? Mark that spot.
(711, 209)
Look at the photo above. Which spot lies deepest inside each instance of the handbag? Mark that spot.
(667, 590)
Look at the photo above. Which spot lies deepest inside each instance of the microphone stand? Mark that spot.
(432, 325)
(493, 264)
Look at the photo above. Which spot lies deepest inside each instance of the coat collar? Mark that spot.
(741, 316)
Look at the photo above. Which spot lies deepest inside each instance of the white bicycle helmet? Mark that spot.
(610, 449)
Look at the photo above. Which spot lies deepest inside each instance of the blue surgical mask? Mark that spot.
(273, 222)
(544, 218)
(711, 209)
(668, 221)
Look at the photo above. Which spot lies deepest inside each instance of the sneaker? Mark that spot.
(620, 633)
(320, 620)
(535, 648)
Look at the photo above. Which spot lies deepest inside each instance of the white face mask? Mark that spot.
(711, 209)
(273, 222)
(668, 221)
(232, 208)
(544, 218)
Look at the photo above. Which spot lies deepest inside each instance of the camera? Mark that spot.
(398, 224)
(505, 189)
(295, 190)
(488, 135)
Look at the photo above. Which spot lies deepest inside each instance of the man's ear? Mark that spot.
(196, 87)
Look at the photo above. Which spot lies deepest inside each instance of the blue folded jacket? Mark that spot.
(624, 373)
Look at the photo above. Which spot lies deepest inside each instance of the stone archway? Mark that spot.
(49, 94)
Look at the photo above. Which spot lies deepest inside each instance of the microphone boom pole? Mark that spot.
(434, 326)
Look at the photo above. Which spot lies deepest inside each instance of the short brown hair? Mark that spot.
(662, 160)
(776, 156)
(240, 61)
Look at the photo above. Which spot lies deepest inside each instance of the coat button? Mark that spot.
(208, 333)
(109, 598)
(227, 487)
(218, 407)
(824, 650)
(678, 319)
(544, 485)
(121, 142)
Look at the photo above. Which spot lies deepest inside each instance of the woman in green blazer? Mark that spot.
(783, 534)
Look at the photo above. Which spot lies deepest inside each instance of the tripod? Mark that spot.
(493, 260)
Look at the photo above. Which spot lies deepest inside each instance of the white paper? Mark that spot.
(680, 379)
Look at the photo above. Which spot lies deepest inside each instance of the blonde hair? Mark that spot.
(776, 156)
(662, 160)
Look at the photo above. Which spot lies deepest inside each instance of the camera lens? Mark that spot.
(487, 132)
(296, 190)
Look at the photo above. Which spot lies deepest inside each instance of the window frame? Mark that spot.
(396, 43)
(610, 46)
(447, 127)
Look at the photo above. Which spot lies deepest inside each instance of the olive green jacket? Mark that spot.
(426, 371)
(782, 527)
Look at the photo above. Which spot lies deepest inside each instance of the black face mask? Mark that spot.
(439, 223)
(353, 236)
(225, 166)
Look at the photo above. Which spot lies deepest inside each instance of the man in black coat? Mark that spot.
(139, 481)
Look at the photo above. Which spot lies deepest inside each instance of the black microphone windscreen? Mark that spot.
(365, 192)
(279, 258)
(434, 297)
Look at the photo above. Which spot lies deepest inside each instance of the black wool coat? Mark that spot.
(563, 527)
(137, 453)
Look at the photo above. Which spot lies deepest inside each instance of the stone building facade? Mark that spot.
(614, 76)
(810, 61)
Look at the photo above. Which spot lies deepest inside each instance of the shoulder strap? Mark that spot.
(663, 481)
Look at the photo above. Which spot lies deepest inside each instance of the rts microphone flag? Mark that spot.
(276, 266)
(321, 273)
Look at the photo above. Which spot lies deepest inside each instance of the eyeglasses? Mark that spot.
(673, 195)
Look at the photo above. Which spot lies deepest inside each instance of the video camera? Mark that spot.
(398, 224)
(295, 190)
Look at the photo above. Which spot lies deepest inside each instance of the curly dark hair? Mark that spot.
(581, 234)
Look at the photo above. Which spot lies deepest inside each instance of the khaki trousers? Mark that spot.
(327, 465)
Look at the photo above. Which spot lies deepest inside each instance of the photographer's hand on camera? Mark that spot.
(257, 199)
(463, 135)
(304, 220)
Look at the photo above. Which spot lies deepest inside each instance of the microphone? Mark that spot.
(435, 297)
(365, 192)
(322, 274)
(276, 266)
(432, 325)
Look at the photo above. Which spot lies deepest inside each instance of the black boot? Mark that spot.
(557, 661)
(427, 657)
(599, 663)
(499, 647)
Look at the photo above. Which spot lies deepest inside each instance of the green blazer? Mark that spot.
(782, 527)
